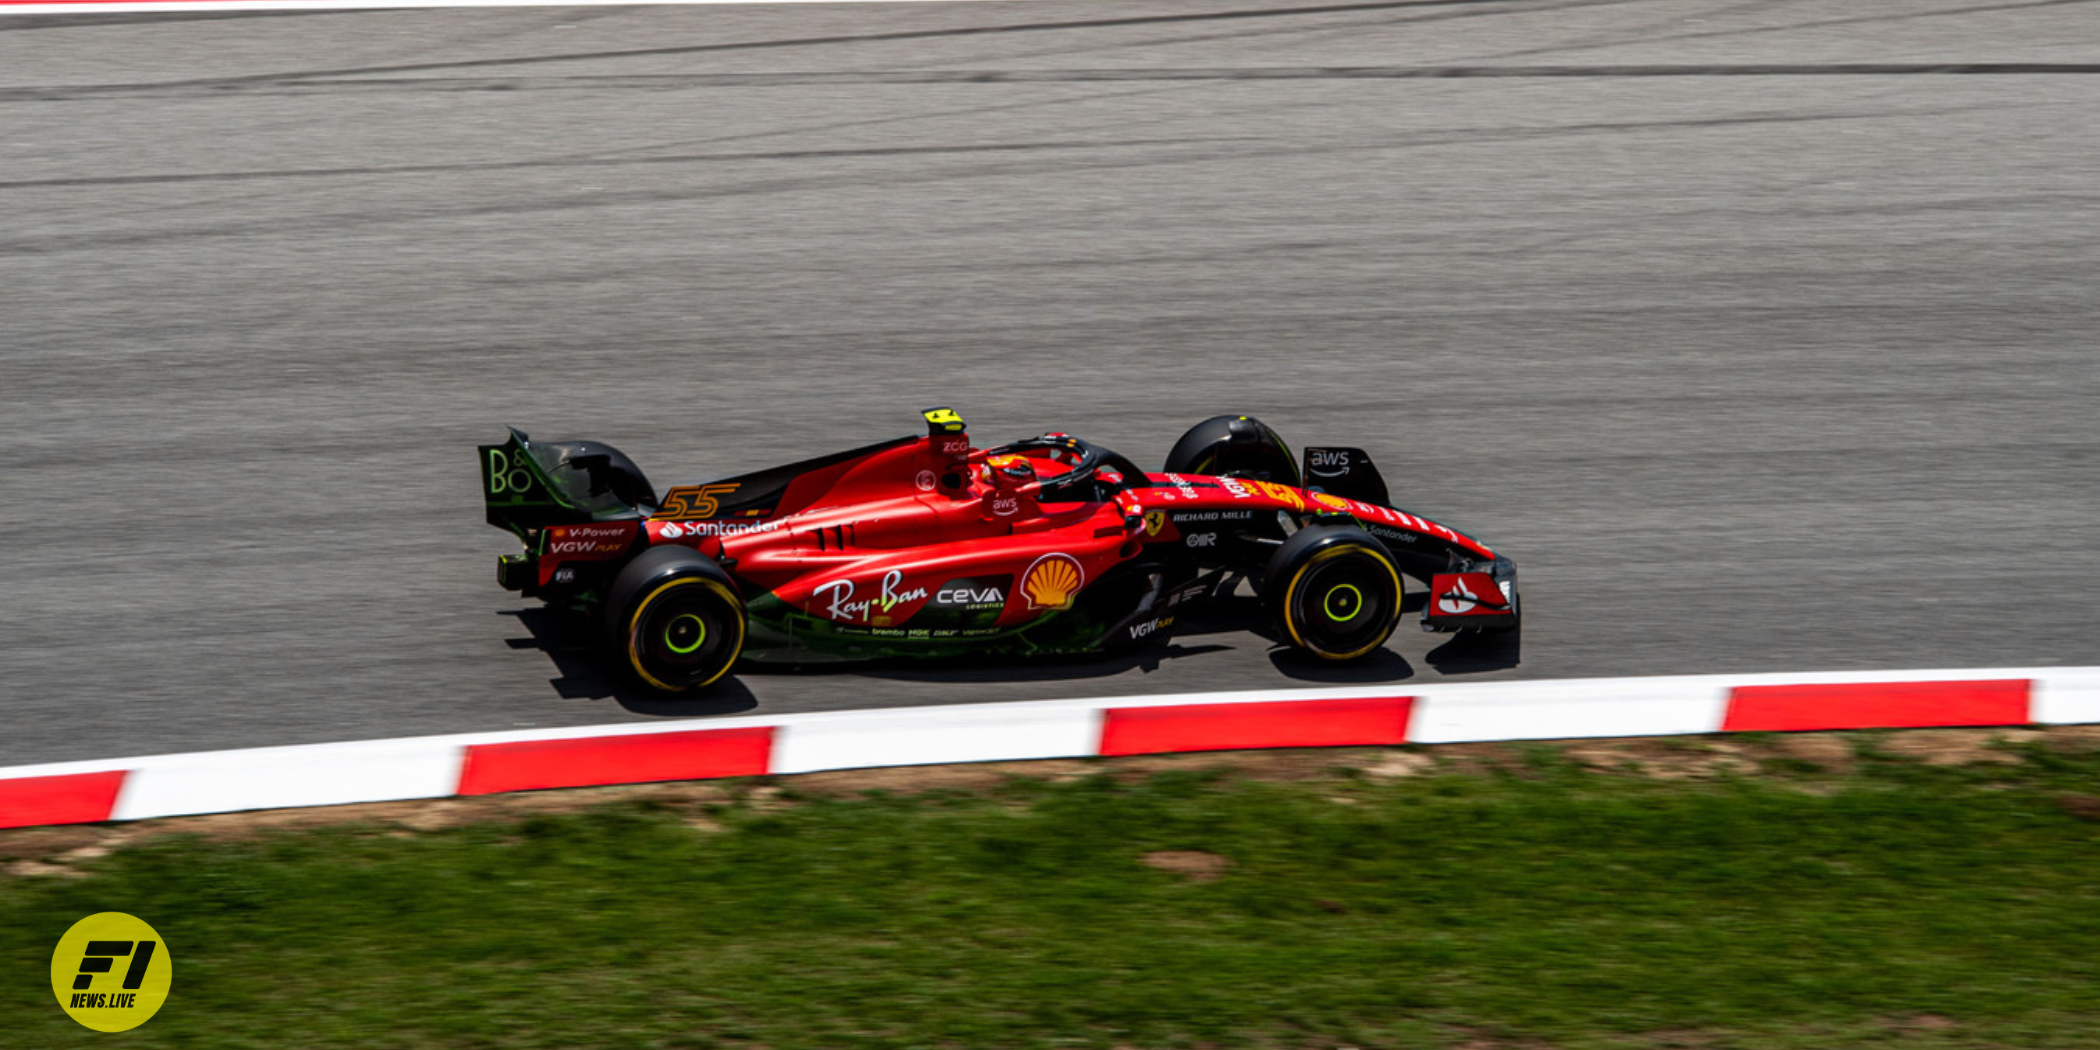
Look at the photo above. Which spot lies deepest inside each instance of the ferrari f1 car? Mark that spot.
(927, 546)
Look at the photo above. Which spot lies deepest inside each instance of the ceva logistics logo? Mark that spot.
(111, 972)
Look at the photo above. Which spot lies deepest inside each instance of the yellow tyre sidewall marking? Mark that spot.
(115, 1013)
(634, 632)
(1290, 596)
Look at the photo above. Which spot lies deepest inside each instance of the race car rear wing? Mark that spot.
(527, 485)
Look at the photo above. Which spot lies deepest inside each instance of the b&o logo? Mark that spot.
(111, 972)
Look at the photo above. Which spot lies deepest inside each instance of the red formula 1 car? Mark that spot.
(928, 546)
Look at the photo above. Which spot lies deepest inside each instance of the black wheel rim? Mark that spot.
(1344, 603)
(686, 634)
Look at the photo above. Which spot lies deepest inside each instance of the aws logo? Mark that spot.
(111, 972)
(1327, 462)
(1053, 581)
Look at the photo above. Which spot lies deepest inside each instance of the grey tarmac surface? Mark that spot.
(1760, 335)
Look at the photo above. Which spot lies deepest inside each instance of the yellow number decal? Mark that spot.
(695, 501)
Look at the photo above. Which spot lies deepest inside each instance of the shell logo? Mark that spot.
(1053, 581)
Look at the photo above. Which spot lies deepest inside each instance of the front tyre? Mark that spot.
(1332, 592)
(674, 620)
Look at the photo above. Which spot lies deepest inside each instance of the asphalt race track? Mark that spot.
(1761, 335)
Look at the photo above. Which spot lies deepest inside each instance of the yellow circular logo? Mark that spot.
(111, 972)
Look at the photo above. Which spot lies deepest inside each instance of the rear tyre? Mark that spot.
(1239, 445)
(674, 620)
(1332, 592)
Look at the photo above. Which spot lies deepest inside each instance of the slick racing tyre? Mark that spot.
(674, 620)
(1241, 445)
(1332, 592)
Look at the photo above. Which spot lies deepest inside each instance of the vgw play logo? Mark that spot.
(111, 972)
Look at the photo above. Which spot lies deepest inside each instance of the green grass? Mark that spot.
(1549, 906)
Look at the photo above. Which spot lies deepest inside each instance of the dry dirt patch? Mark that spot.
(1961, 747)
(1194, 863)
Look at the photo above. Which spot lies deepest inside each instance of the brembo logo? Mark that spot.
(839, 604)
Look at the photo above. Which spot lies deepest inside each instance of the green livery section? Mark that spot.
(780, 633)
(516, 491)
(527, 485)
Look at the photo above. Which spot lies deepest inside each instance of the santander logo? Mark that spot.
(1458, 599)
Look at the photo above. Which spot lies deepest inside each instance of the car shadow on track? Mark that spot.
(967, 669)
(1474, 653)
(1384, 665)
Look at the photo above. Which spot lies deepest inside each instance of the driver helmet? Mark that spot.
(1004, 477)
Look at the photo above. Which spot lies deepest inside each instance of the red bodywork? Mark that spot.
(873, 540)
